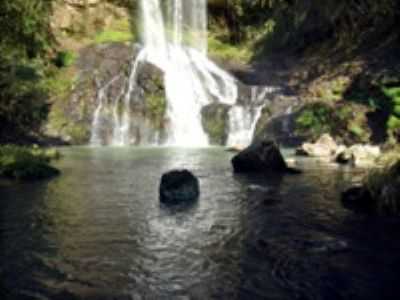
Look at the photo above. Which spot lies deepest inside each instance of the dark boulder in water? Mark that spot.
(179, 186)
(261, 157)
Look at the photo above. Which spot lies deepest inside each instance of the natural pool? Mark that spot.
(99, 232)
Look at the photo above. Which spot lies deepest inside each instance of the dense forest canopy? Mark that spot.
(299, 22)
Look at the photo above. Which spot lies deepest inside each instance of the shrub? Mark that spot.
(24, 163)
(225, 51)
(384, 187)
(342, 121)
(65, 59)
(393, 123)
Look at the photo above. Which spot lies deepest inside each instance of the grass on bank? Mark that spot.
(23, 163)
(383, 184)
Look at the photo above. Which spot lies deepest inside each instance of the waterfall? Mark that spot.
(243, 118)
(174, 39)
(191, 79)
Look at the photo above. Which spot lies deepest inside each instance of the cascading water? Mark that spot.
(174, 39)
(176, 42)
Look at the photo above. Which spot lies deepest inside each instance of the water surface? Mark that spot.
(99, 232)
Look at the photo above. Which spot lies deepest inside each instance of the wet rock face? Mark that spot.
(179, 186)
(87, 17)
(103, 71)
(263, 157)
(215, 121)
(278, 120)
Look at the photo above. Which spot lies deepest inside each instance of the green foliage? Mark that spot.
(109, 36)
(25, 41)
(226, 51)
(23, 163)
(393, 123)
(343, 122)
(383, 185)
(65, 59)
(297, 25)
(25, 27)
(23, 105)
(316, 118)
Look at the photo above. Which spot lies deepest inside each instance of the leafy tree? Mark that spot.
(25, 41)
(25, 27)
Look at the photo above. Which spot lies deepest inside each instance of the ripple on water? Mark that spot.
(99, 231)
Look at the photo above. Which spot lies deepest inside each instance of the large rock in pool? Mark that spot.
(260, 157)
(179, 186)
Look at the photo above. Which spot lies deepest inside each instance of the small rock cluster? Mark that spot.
(326, 148)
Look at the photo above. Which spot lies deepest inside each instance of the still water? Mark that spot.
(99, 232)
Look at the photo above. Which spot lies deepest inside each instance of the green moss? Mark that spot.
(215, 129)
(156, 106)
(119, 32)
(383, 186)
(226, 51)
(65, 59)
(78, 133)
(24, 163)
(214, 121)
(74, 132)
(58, 82)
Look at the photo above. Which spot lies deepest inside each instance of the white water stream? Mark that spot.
(174, 39)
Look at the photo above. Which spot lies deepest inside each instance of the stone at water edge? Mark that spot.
(325, 146)
(343, 156)
(358, 155)
(365, 154)
(261, 157)
(179, 186)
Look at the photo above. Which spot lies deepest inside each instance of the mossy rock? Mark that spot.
(215, 122)
(156, 106)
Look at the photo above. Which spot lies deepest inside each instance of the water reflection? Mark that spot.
(99, 231)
